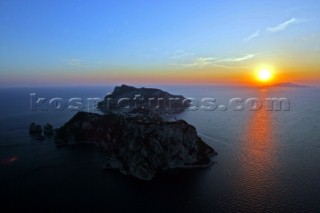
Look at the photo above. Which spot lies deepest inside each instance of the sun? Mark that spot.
(264, 75)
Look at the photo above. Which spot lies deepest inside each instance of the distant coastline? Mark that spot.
(288, 84)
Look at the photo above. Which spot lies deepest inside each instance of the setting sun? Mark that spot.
(264, 75)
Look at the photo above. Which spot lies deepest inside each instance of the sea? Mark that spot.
(268, 158)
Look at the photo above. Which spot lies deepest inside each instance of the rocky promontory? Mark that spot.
(138, 144)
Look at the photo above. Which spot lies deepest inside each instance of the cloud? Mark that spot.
(202, 62)
(280, 27)
(74, 62)
(284, 25)
(237, 59)
(252, 36)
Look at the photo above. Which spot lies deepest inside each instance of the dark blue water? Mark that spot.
(267, 161)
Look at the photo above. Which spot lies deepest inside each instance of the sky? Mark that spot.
(78, 42)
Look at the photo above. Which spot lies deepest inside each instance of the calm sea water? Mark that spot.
(267, 160)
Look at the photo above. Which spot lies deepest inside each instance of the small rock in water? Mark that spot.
(35, 129)
(48, 129)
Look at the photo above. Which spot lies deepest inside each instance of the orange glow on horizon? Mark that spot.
(185, 76)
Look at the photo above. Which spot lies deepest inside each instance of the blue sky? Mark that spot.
(66, 38)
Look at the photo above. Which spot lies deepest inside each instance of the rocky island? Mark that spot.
(138, 141)
(35, 130)
(127, 98)
(288, 84)
(139, 145)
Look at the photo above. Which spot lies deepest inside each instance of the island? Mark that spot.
(138, 141)
(288, 84)
(139, 145)
(126, 98)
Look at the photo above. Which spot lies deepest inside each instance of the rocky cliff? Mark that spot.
(139, 144)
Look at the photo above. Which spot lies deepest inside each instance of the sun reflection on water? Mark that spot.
(258, 155)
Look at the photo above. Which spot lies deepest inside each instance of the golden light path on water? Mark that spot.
(256, 181)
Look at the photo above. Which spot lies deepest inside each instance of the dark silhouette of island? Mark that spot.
(139, 145)
(128, 98)
(288, 84)
(138, 141)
